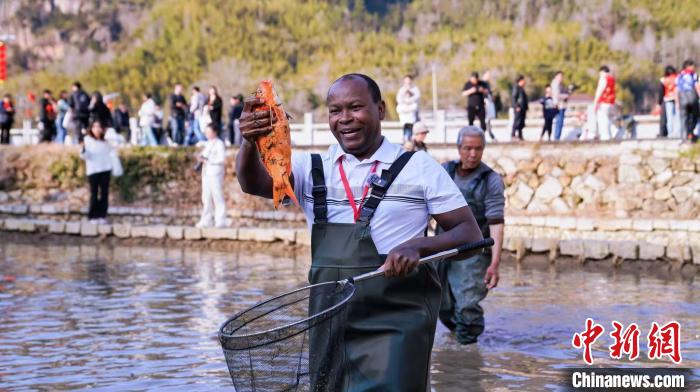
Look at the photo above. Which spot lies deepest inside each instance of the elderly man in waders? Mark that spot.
(466, 282)
(368, 203)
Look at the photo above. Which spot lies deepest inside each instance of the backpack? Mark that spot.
(4, 116)
(82, 104)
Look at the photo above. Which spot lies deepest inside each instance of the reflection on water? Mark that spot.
(140, 318)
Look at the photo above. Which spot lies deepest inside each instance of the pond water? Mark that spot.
(118, 318)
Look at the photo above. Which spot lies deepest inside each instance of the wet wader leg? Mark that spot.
(466, 279)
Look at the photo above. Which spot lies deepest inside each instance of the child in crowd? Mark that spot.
(549, 111)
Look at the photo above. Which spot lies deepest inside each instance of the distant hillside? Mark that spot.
(304, 45)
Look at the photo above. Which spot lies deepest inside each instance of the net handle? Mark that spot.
(485, 243)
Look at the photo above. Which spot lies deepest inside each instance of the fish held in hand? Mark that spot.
(276, 147)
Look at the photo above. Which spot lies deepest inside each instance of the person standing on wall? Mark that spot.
(62, 108)
(491, 109)
(604, 102)
(465, 283)
(234, 113)
(80, 105)
(549, 112)
(407, 106)
(688, 91)
(7, 118)
(215, 108)
(670, 102)
(100, 112)
(120, 119)
(476, 90)
(520, 107)
(178, 111)
(560, 96)
(194, 132)
(147, 113)
(212, 160)
(47, 117)
(97, 154)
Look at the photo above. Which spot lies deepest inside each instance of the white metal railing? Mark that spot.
(443, 130)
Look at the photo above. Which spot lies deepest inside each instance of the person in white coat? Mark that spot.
(147, 114)
(212, 159)
(407, 100)
(97, 153)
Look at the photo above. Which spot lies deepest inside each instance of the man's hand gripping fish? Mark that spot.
(276, 147)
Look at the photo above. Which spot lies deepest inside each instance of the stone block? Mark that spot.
(88, 229)
(678, 252)
(57, 227)
(642, 225)
(537, 221)
(192, 233)
(585, 224)
(629, 174)
(303, 237)
(552, 221)
(72, 228)
(104, 229)
(220, 233)
(661, 224)
(48, 209)
(157, 232)
(174, 232)
(286, 235)
(121, 230)
(567, 223)
(12, 224)
(695, 250)
(35, 209)
(630, 159)
(540, 245)
(256, 234)
(624, 249)
(596, 250)
(571, 247)
(549, 190)
(649, 251)
(694, 225)
(678, 225)
(27, 226)
(139, 231)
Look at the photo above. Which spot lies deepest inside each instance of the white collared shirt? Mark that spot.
(423, 188)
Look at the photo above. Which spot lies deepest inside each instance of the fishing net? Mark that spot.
(293, 342)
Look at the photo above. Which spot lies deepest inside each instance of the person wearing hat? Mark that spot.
(417, 142)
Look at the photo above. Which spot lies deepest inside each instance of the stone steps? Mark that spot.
(182, 233)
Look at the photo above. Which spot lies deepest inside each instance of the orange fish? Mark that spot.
(276, 147)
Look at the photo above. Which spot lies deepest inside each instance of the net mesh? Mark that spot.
(293, 342)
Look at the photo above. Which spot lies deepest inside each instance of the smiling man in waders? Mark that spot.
(368, 204)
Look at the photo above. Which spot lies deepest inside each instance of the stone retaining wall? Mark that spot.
(585, 239)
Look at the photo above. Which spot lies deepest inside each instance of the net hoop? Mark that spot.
(231, 338)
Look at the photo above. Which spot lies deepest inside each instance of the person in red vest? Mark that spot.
(604, 102)
(671, 107)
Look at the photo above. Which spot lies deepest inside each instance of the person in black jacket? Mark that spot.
(47, 116)
(519, 108)
(234, 113)
(120, 119)
(7, 118)
(80, 104)
(99, 111)
(215, 106)
(178, 112)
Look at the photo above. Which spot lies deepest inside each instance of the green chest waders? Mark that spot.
(391, 322)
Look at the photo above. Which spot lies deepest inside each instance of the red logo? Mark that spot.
(662, 341)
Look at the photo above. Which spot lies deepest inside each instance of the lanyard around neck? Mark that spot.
(348, 191)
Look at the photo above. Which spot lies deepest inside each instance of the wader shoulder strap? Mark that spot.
(475, 182)
(380, 185)
(319, 191)
(452, 168)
